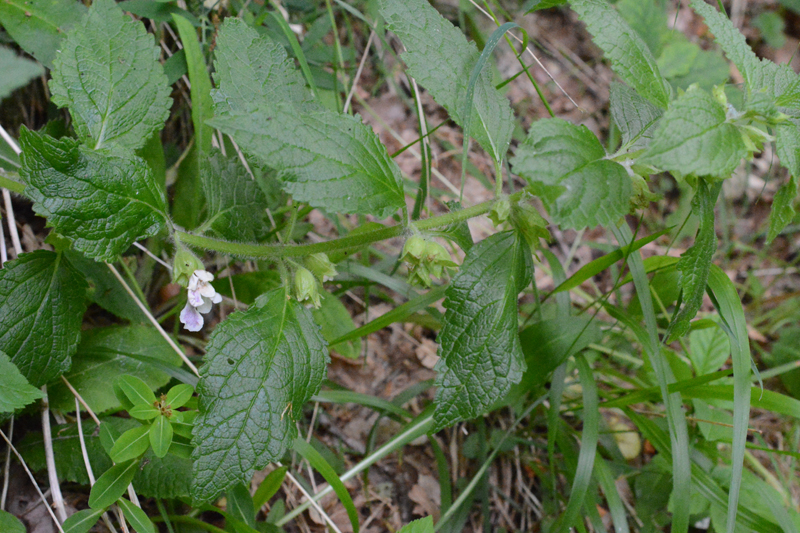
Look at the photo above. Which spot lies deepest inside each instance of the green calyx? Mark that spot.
(321, 267)
(305, 286)
(425, 259)
(184, 265)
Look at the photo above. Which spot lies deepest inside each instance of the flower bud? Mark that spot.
(321, 267)
(184, 265)
(414, 249)
(305, 286)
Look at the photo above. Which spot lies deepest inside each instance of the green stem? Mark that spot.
(498, 179)
(277, 251)
(193, 521)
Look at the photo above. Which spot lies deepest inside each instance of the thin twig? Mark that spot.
(85, 454)
(153, 256)
(50, 459)
(310, 498)
(7, 467)
(79, 398)
(33, 480)
(358, 72)
(12, 223)
(152, 319)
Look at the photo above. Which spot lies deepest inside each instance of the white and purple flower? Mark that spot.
(201, 297)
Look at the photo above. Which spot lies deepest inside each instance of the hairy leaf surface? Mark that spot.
(261, 366)
(102, 201)
(323, 158)
(479, 344)
(787, 146)
(635, 117)
(439, 57)
(39, 25)
(695, 263)
(630, 57)
(694, 137)
(15, 391)
(567, 169)
(43, 301)
(236, 205)
(109, 76)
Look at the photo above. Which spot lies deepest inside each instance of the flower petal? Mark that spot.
(192, 286)
(202, 275)
(205, 307)
(195, 298)
(191, 319)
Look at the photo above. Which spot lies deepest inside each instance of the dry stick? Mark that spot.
(50, 459)
(358, 72)
(153, 256)
(7, 468)
(12, 223)
(3, 252)
(311, 499)
(154, 321)
(33, 480)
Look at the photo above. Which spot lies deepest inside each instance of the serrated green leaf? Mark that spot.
(112, 484)
(782, 212)
(82, 521)
(137, 518)
(167, 477)
(323, 158)
(109, 76)
(237, 208)
(42, 298)
(694, 137)
(635, 117)
(690, 64)
(17, 71)
(161, 436)
(39, 25)
(137, 391)
(439, 57)
(709, 348)
(567, 169)
(423, 525)
(130, 444)
(106, 353)
(630, 57)
(15, 391)
(274, 358)
(480, 351)
(102, 201)
(648, 19)
(787, 145)
(696, 261)
(10, 523)
(178, 395)
(335, 321)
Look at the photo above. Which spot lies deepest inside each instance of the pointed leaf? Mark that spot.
(240, 504)
(323, 158)
(102, 201)
(696, 261)
(237, 208)
(15, 391)
(635, 117)
(261, 366)
(630, 57)
(161, 436)
(144, 412)
(269, 487)
(137, 518)
(439, 57)
(137, 391)
(423, 525)
(694, 137)
(178, 395)
(109, 76)
(479, 345)
(566, 167)
(38, 26)
(782, 212)
(787, 146)
(200, 81)
(82, 521)
(42, 301)
(112, 484)
(17, 71)
(130, 445)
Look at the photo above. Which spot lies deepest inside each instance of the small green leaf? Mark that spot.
(274, 357)
(240, 504)
(144, 412)
(709, 349)
(323, 158)
(161, 436)
(439, 57)
(480, 351)
(183, 422)
(269, 487)
(15, 391)
(137, 391)
(237, 208)
(782, 212)
(335, 321)
(102, 201)
(108, 74)
(630, 57)
(112, 484)
(43, 299)
(11, 524)
(696, 261)
(535, 5)
(38, 26)
(648, 19)
(136, 517)
(567, 169)
(130, 445)
(635, 117)
(82, 521)
(200, 82)
(17, 71)
(423, 525)
(178, 395)
(694, 137)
